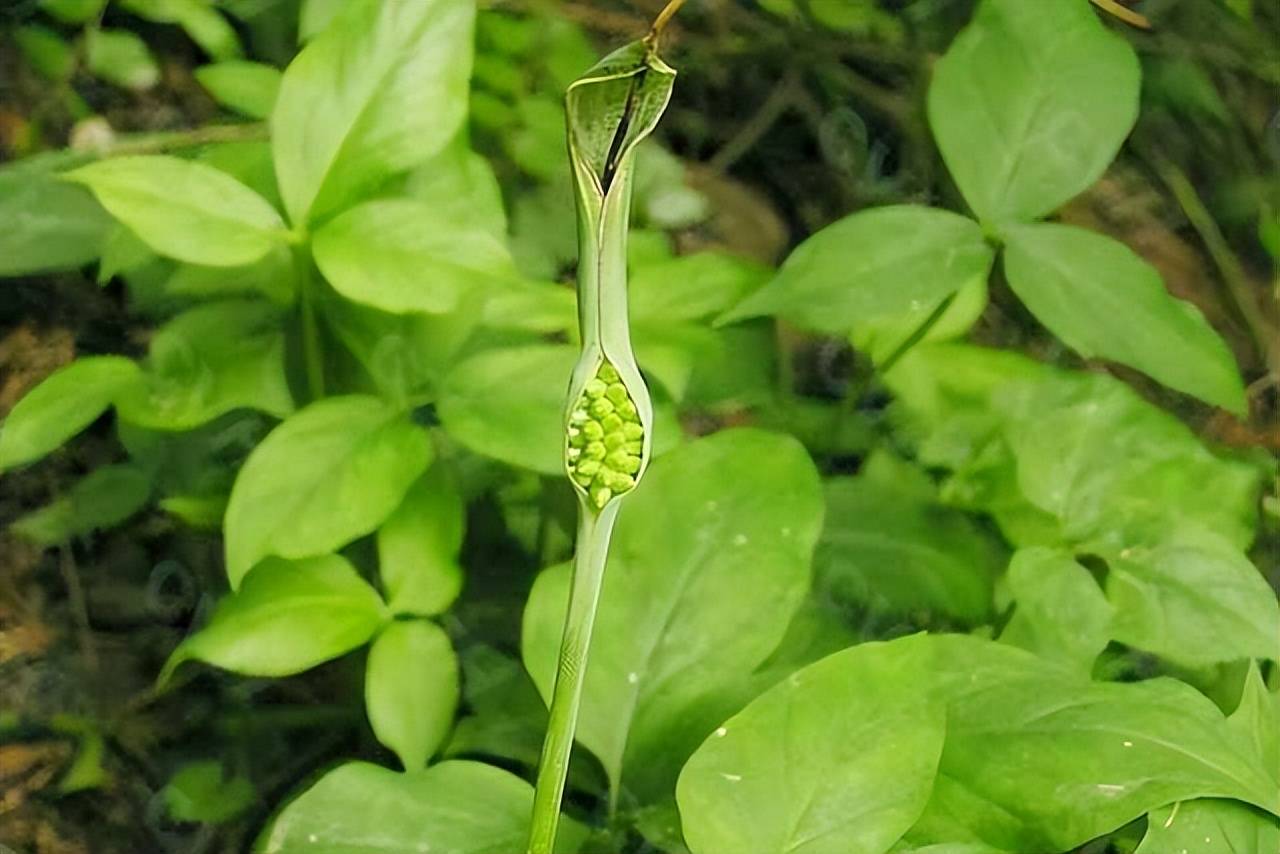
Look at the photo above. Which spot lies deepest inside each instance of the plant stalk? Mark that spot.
(594, 532)
(312, 354)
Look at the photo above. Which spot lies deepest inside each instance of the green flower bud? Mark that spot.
(591, 429)
(628, 411)
(617, 459)
(595, 451)
(596, 388)
(601, 495)
(612, 423)
(613, 441)
(634, 448)
(633, 432)
(579, 417)
(608, 373)
(617, 392)
(588, 468)
(600, 408)
(631, 466)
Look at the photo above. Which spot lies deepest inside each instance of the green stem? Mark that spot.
(594, 531)
(312, 353)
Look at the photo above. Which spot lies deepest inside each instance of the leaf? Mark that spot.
(896, 551)
(1030, 104)
(206, 791)
(1039, 759)
(122, 253)
(402, 256)
(102, 499)
(378, 92)
(1061, 612)
(876, 263)
(46, 52)
(185, 210)
(287, 617)
(1103, 300)
(419, 544)
(120, 57)
(211, 360)
(249, 88)
(1210, 827)
(882, 337)
(1194, 599)
(787, 774)
(63, 404)
(459, 807)
(49, 225)
(411, 690)
(272, 276)
(203, 23)
(692, 287)
(709, 563)
(1257, 719)
(462, 188)
(332, 472)
(73, 11)
(315, 16)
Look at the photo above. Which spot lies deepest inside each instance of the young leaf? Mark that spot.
(209, 361)
(1030, 104)
(837, 759)
(691, 287)
(1195, 599)
(201, 21)
(708, 564)
(66, 402)
(403, 256)
(377, 93)
(1210, 827)
(462, 188)
(411, 690)
(1061, 612)
(102, 499)
(876, 263)
(1103, 300)
(418, 547)
(122, 58)
(458, 807)
(249, 88)
(287, 617)
(315, 16)
(185, 210)
(49, 225)
(329, 474)
(206, 791)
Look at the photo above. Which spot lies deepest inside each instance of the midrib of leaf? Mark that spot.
(146, 195)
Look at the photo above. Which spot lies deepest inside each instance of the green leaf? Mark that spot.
(876, 263)
(1103, 300)
(205, 791)
(122, 253)
(46, 51)
(1210, 827)
(404, 256)
(185, 210)
(209, 361)
(458, 807)
(418, 546)
(201, 21)
(287, 617)
(837, 759)
(249, 88)
(899, 551)
(462, 188)
(1039, 759)
(378, 92)
(709, 563)
(692, 287)
(315, 16)
(66, 402)
(271, 276)
(1061, 612)
(1194, 599)
(102, 499)
(411, 690)
(329, 474)
(1257, 719)
(122, 58)
(882, 337)
(1030, 104)
(49, 225)
(73, 11)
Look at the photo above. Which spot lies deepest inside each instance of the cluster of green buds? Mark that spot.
(605, 438)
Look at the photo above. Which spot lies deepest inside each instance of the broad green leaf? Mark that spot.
(120, 57)
(403, 256)
(329, 474)
(49, 225)
(462, 188)
(411, 690)
(709, 562)
(456, 807)
(207, 791)
(184, 210)
(1256, 719)
(249, 88)
(46, 51)
(1103, 300)
(691, 287)
(287, 617)
(882, 337)
(837, 759)
(201, 21)
(1210, 827)
(877, 263)
(1030, 104)
(1061, 613)
(123, 252)
(1040, 759)
(102, 499)
(73, 11)
(199, 511)
(209, 361)
(249, 162)
(378, 92)
(1194, 599)
(506, 717)
(66, 402)
(315, 16)
(418, 546)
(272, 276)
(893, 550)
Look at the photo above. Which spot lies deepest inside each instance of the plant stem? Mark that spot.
(594, 532)
(312, 354)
